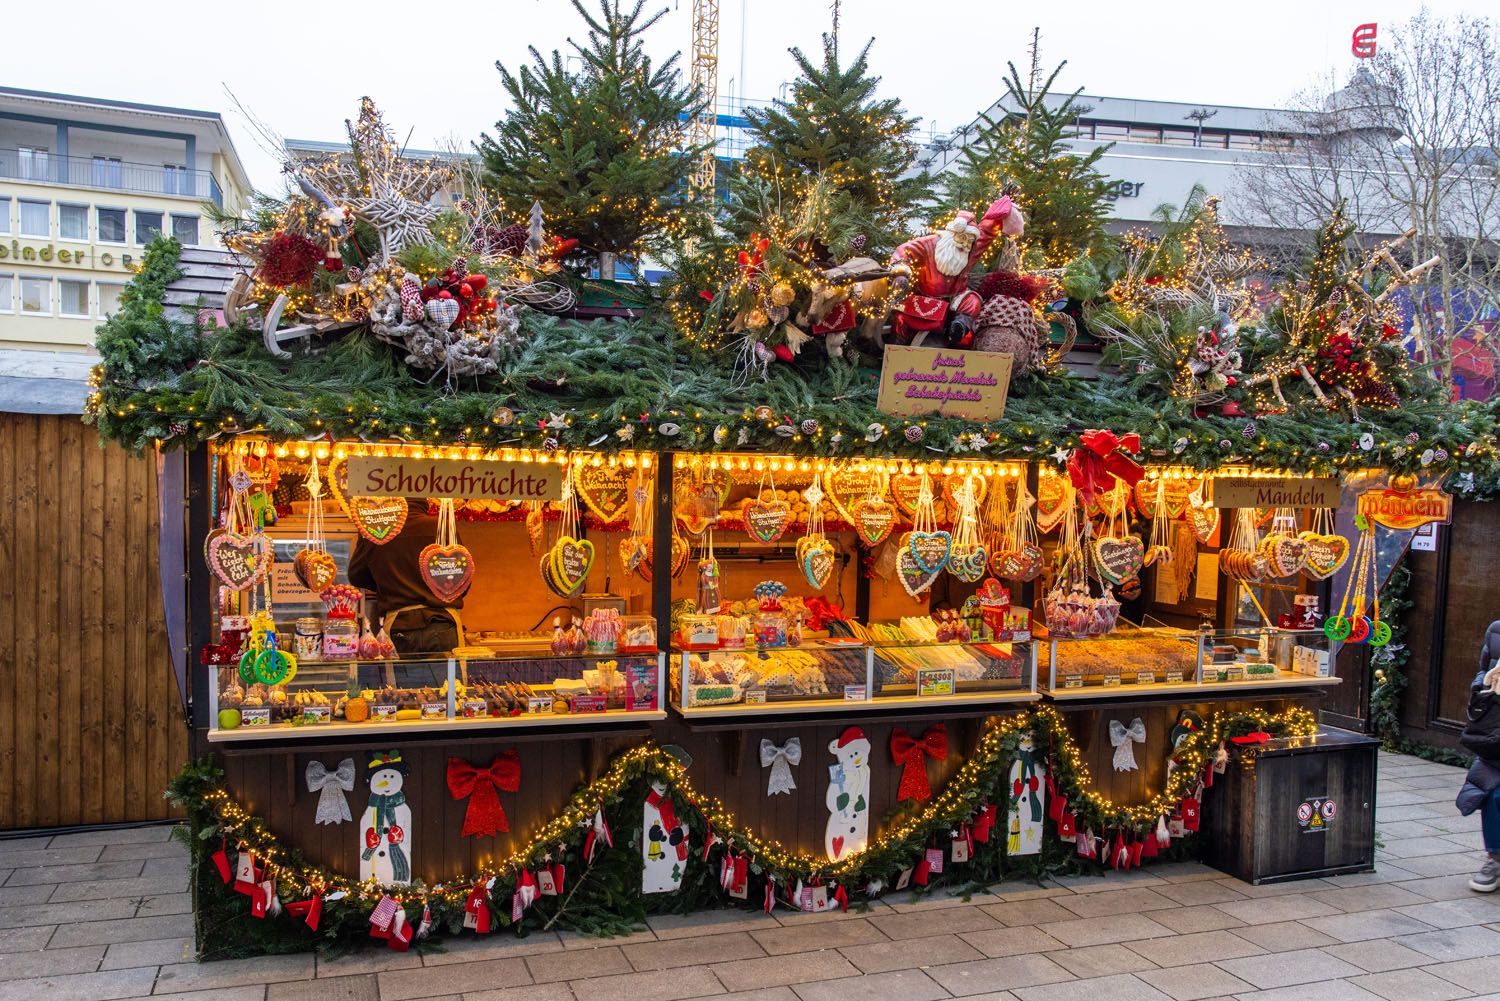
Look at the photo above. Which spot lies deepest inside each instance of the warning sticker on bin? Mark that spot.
(1316, 814)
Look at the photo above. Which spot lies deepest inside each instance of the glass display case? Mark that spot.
(474, 687)
(835, 675)
(1132, 660)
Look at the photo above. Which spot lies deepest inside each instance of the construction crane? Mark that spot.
(701, 129)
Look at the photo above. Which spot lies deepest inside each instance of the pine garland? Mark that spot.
(602, 895)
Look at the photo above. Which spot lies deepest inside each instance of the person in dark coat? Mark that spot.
(1481, 788)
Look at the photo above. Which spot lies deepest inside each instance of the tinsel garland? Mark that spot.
(613, 901)
(632, 385)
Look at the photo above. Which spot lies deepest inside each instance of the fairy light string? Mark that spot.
(981, 778)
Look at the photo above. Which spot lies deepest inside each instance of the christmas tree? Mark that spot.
(1065, 197)
(602, 148)
(834, 153)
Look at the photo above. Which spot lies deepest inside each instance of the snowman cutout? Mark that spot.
(385, 854)
(664, 843)
(848, 797)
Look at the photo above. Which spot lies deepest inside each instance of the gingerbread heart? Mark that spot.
(817, 563)
(315, 569)
(951, 484)
(240, 561)
(379, 519)
(572, 559)
(1021, 564)
(905, 489)
(1205, 522)
(766, 520)
(604, 490)
(1052, 496)
(914, 578)
(968, 565)
(536, 524)
(633, 552)
(1324, 555)
(874, 519)
(1287, 555)
(1119, 558)
(930, 549)
(680, 552)
(447, 570)
(847, 486)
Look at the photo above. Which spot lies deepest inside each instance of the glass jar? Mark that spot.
(771, 629)
(340, 639)
(309, 637)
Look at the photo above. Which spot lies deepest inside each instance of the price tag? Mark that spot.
(590, 703)
(856, 693)
(1173, 678)
(317, 714)
(935, 682)
(474, 708)
(1145, 678)
(434, 710)
(1111, 680)
(1234, 674)
(755, 696)
(255, 717)
(1073, 681)
(537, 704)
(383, 713)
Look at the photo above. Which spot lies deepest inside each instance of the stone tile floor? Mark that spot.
(104, 915)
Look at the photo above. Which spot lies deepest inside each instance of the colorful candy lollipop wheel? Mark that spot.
(1381, 634)
(247, 667)
(1360, 629)
(1337, 628)
(272, 667)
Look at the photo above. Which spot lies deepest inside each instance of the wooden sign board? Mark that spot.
(399, 476)
(919, 381)
(1275, 491)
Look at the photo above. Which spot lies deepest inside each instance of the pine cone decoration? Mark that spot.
(509, 241)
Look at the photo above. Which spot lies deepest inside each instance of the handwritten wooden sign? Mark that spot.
(399, 476)
(918, 381)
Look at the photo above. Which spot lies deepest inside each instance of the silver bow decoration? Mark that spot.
(1122, 739)
(780, 760)
(333, 808)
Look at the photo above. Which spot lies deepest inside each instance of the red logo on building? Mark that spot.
(1363, 42)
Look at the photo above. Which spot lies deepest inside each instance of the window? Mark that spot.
(185, 229)
(73, 297)
(109, 298)
(7, 290)
(174, 179)
(1180, 137)
(147, 226)
(112, 225)
(73, 222)
(36, 296)
(107, 171)
(1145, 134)
(33, 161)
(5, 215)
(36, 218)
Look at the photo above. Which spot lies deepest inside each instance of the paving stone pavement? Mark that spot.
(104, 915)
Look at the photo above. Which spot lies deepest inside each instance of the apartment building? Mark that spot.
(85, 184)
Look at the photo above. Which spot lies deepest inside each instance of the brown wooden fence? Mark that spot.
(90, 722)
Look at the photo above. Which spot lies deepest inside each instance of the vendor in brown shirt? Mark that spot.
(390, 570)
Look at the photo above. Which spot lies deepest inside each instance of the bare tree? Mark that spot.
(1410, 144)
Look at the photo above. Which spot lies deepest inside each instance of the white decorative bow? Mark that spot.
(333, 808)
(1120, 738)
(780, 761)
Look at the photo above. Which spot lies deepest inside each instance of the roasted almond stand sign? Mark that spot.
(1412, 508)
(1274, 491)
(919, 381)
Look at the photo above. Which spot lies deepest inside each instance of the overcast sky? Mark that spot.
(301, 67)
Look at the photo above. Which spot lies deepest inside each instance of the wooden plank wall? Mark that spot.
(91, 728)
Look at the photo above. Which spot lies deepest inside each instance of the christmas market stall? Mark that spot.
(820, 578)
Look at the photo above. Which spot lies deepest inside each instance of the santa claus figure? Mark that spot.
(936, 269)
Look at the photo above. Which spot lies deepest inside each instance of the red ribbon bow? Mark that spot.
(1100, 457)
(484, 817)
(907, 751)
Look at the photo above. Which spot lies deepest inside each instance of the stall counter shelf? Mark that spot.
(1135, 661)
(843, 675)
(471, 689)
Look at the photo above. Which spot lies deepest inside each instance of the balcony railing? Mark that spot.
(109, 175)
